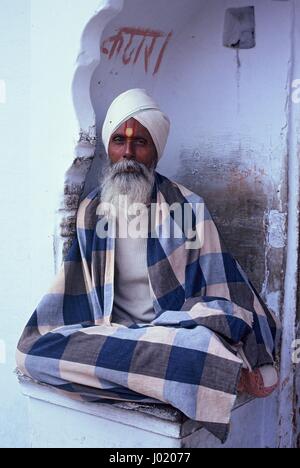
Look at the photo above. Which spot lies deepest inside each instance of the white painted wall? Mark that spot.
(229, 135)
(15, 245)
(38, 51)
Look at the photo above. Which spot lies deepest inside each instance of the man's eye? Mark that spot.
(141, 141)
(118, 139)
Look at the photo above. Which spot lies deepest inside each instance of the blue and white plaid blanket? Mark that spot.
(209, 319)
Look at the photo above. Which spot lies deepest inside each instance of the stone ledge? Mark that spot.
(153, 418)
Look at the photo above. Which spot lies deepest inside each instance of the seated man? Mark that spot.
(150, 307)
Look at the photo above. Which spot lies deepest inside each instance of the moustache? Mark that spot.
(128, 167)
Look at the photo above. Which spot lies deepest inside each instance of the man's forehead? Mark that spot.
(131, 128)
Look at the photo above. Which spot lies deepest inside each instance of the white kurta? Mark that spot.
(132, 299)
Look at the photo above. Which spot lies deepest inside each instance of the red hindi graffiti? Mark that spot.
(133, 41)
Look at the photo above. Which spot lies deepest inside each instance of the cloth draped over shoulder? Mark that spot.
(209, 320)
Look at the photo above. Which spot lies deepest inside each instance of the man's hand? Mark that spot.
(260, 383)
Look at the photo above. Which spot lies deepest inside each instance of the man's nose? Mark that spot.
(129, 150)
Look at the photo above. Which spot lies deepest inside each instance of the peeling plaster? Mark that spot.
(87, 61)
(273, 301)
(277, 229)
(69, 203)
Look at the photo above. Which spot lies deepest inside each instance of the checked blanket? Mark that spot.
(209, 319)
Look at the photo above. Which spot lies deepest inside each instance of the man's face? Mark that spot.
(132, 141)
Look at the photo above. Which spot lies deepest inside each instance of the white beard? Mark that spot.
(123, 189)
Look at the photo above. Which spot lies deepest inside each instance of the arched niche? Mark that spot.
(221, 143)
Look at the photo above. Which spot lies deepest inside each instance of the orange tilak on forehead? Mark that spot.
(130, 130)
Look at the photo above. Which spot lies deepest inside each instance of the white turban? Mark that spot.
(137, 104)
